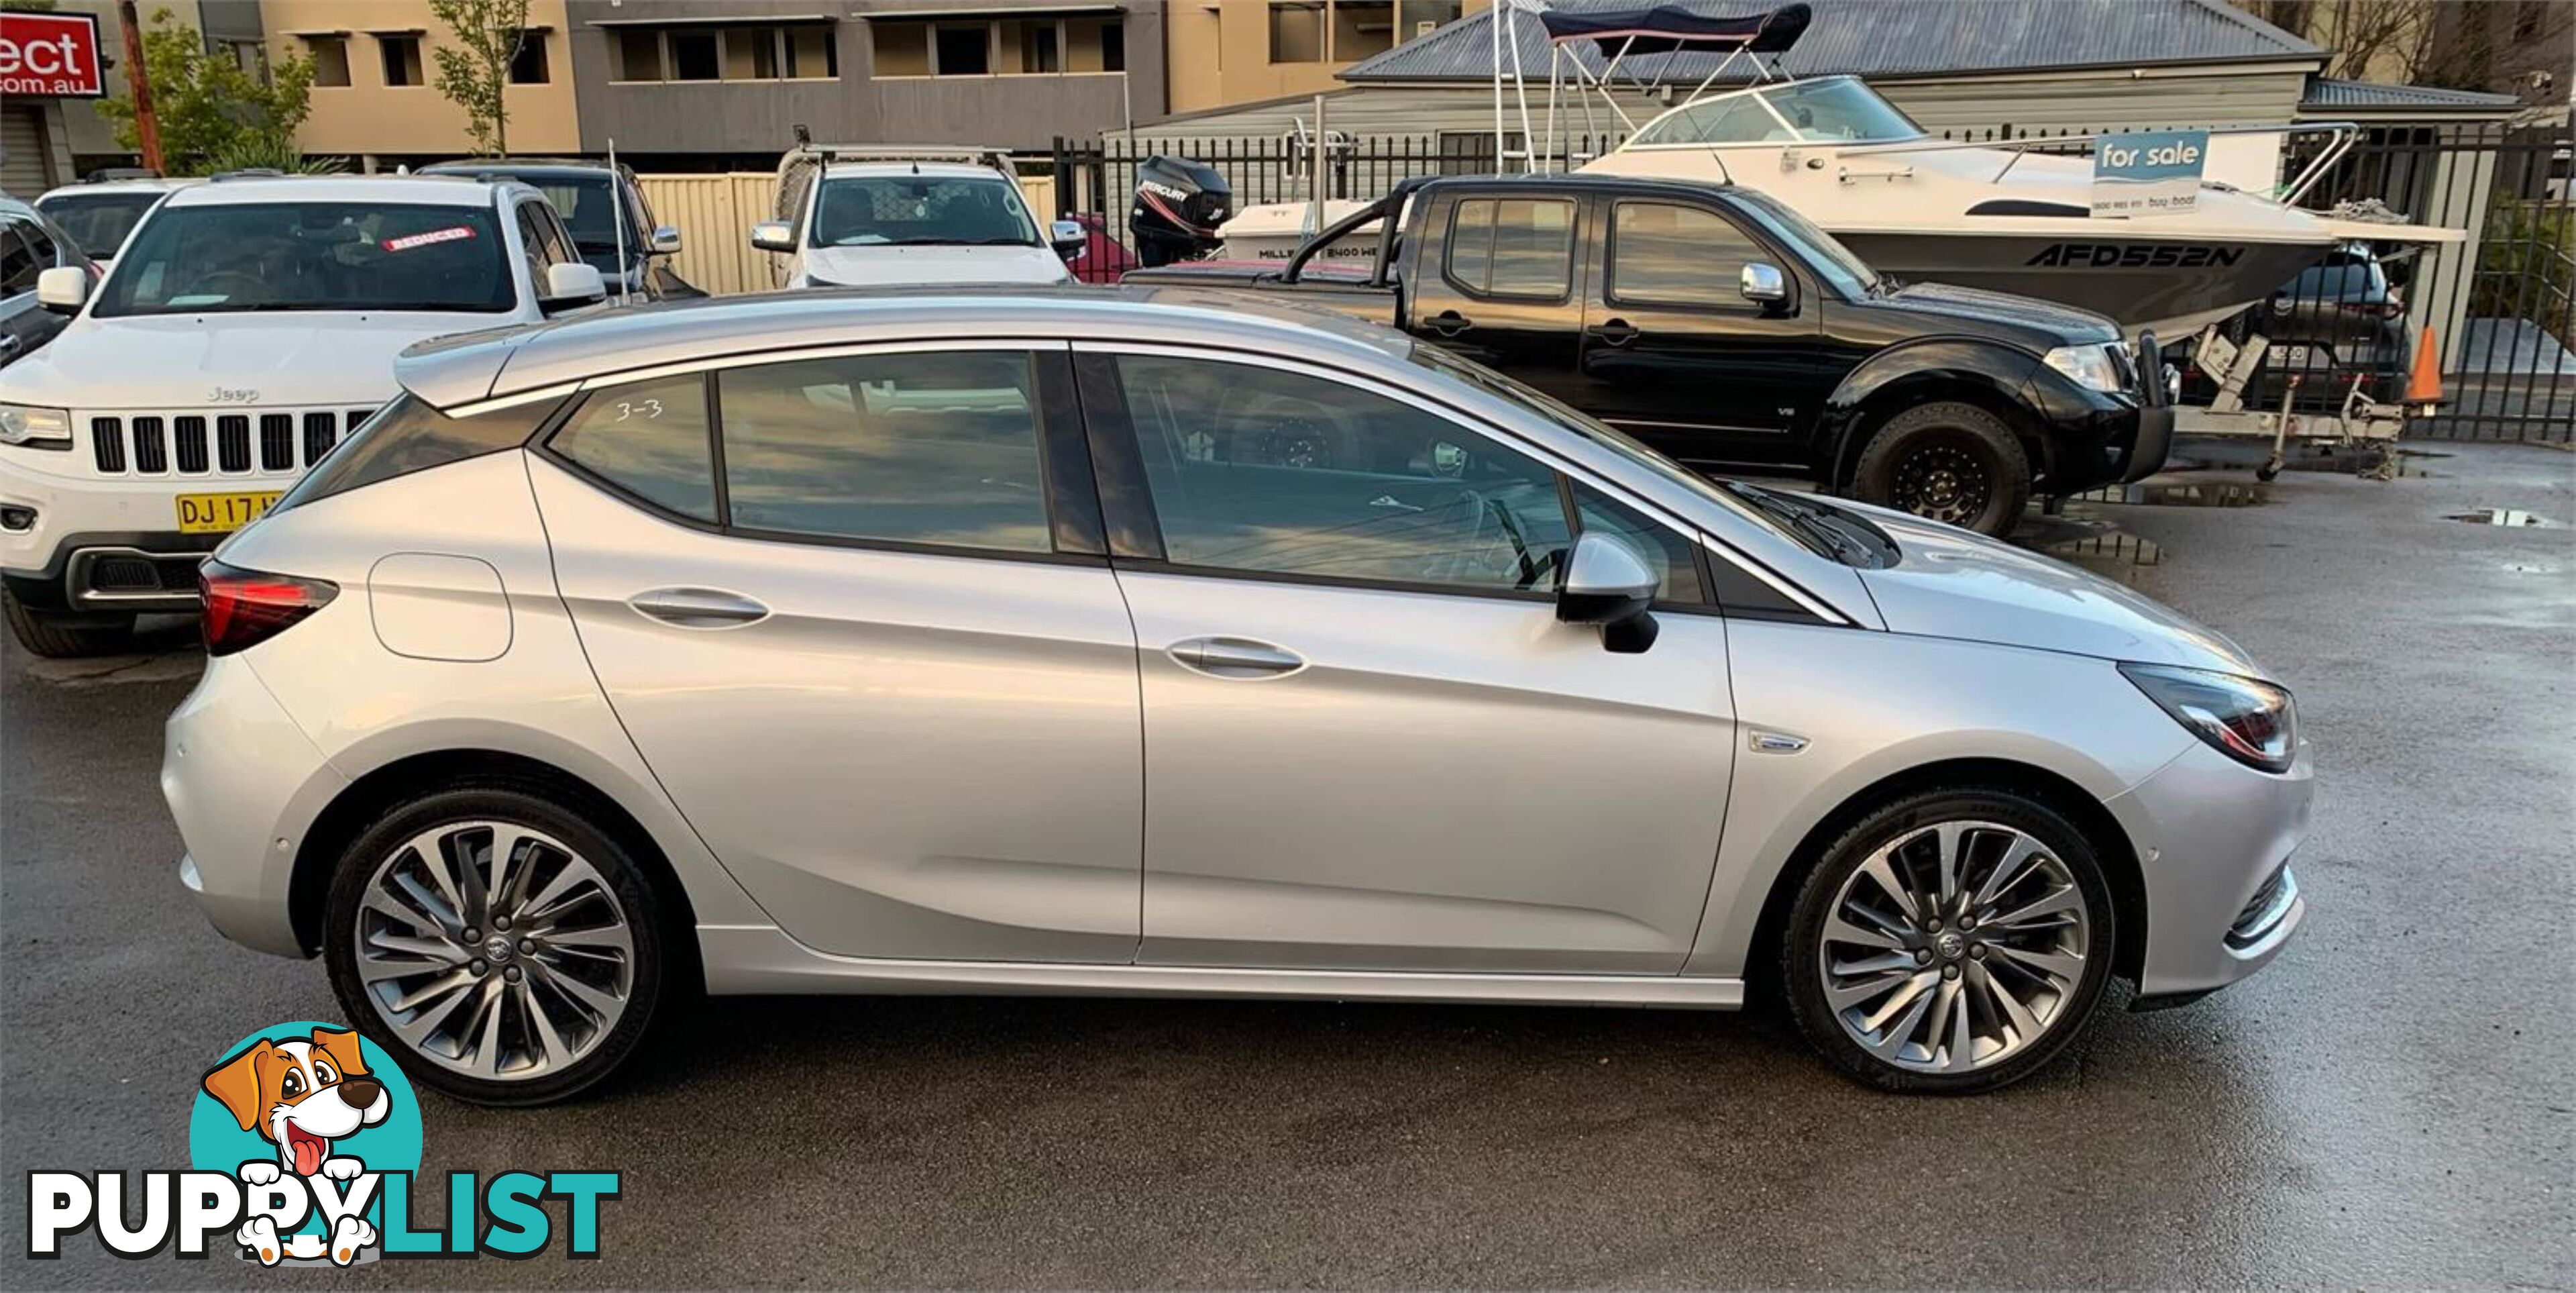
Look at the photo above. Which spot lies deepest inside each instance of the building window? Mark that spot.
(528, 66)
(330, 55)
(1039, 41)
(639, 54)
(1113, 46)
(902, 48)
(1361, 29)
(1415, 19)
(693, 55)
(811, 53)
(402, 59)
(959, 50)
(1297, 31)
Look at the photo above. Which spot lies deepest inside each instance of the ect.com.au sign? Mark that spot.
(2149, 173)
(53, 55)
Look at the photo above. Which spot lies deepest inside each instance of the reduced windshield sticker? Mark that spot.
(456, 233)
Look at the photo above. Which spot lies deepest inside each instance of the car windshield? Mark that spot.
(911, 210)
(1835, 110)
(1593, 429)
(242, 257)
(99, 222)
(1831, 259)
(588, 205)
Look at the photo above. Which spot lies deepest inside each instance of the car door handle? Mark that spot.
(1221, 657)
(1616, 332)
(698, 608)
(1448, 323)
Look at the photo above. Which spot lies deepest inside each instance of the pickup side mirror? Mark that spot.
(64, 289)
(1607, 584)
(1069, 238)
(663, 241)
(773, 235)
(1763, 283)
(569, 284)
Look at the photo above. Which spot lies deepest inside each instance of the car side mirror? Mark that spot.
(663, 241)
(570, 284)
(1069, 237)
(773, 235)
(1763, 284)
(64, 289)
(1608, 585)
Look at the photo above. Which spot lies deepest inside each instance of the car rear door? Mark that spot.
(864, 635)
(1674, 354)
(1369, 743)
(1496, 279)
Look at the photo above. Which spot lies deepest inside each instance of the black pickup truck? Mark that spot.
(1727, 331)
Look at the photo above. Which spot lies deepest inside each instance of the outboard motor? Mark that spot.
(1179, 204)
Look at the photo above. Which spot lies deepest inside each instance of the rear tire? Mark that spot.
(1947, 461)
(58, 635)
(587, 952)
(2027, 914)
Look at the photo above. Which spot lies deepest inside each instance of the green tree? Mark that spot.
(474, 71)
(208, 104)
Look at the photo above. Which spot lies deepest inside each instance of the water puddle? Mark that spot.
(2112, 554)
(2505, 516)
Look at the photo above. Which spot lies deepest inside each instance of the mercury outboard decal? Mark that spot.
(2131, 255)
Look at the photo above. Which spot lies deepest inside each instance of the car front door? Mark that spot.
(865, 638)
(1674, 354)
(1369, 743)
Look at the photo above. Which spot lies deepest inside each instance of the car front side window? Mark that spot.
(1265, 471)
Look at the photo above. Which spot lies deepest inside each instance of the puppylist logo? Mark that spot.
(303, 1142)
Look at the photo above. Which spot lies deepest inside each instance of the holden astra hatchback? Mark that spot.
(1015, 643)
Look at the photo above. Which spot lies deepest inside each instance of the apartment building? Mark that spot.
(1227, 52)
(375, 96)
(711, 84)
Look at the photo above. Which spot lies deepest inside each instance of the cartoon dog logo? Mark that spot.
(301, 1096)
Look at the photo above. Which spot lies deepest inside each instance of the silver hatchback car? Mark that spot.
(1148, 642)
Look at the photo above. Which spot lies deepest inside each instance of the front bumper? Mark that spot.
(244, 784)
(104, 544)
(2214, 840)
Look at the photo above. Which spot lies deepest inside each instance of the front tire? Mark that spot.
(1953, 941)
(1947, 461)
(58, 635)
(502, 947)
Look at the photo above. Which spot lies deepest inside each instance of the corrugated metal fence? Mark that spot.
(715, 213)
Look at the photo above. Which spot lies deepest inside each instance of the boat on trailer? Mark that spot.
(2013, 216)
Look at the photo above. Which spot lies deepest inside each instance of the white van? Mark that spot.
(249, 325)
(876, 216)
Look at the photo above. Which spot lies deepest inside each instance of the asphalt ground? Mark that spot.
(2393, 1103)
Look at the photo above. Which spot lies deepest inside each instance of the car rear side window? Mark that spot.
(648, 439)
(1665, 254)
(932, 449)
(408, 436)
(18, 263)
(1512, 247)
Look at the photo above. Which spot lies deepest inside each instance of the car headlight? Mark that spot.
(2246, 719)
(2088, 366)
(36, 428)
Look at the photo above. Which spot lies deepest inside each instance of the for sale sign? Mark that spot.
(53, 55)
(2149, 172)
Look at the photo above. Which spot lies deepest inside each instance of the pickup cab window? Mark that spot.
(1662, 253)
(1511, 247)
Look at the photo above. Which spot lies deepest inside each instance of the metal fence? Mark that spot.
(2501, 302)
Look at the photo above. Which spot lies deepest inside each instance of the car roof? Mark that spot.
(517, 166)
(498, 363)
(89, 188)
(425, 190)
(939, 170)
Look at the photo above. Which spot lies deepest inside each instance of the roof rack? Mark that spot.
(247, 173)
(111, 174)
(958, 154)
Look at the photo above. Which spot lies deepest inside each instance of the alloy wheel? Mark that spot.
(1943, 481)
(1954, 947)
(494, 950)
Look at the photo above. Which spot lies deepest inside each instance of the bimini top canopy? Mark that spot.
(1673, 28)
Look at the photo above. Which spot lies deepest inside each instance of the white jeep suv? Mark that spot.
(248, 326)
(902, 216)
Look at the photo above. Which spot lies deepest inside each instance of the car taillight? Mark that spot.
(244, 608)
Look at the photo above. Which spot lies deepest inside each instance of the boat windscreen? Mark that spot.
(1833, 110)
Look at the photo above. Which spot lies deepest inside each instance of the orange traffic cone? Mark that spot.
(2424, 386)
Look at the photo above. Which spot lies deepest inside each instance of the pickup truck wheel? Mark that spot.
(1949, 462)
(56, 635)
